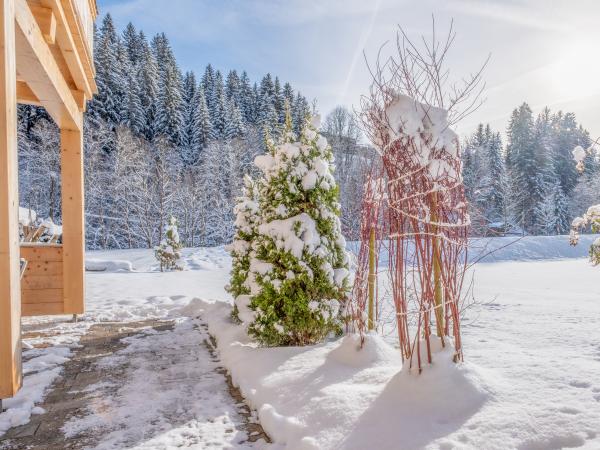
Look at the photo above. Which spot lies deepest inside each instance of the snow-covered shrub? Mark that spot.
(246, 220)
(298, 271)
(592, 217)
(168, 252)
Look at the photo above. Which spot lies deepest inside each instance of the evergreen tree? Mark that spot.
(131, 41)
(521, 164)
(300, 111)
(148, 87)
(169, 118)
(496, 194)
(205, 131)
(106, 105)
(191, 136)
(279, 102)
(567, 135)
(168, 253)
(246, 98)
(246, 220)
(234, 125)
(218, 110)
(298, 275)
(208, 86)
(233, 88)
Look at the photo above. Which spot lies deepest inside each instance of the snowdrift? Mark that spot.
(333, 395)
(107, 265)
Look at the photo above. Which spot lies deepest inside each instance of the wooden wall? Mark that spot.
(42, 284)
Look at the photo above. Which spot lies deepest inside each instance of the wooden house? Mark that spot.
(46, 59)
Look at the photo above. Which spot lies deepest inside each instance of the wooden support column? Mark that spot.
(73, 237)
(10, 288)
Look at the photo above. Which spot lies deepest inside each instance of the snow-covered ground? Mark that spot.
(531, 379)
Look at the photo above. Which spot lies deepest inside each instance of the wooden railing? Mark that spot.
(42, 282)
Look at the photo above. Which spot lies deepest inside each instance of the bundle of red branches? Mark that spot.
(422, 212)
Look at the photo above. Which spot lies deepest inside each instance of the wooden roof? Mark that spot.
(54, 51)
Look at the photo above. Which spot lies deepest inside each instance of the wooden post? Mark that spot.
(10, 286)
(73, 238)
(371, 280)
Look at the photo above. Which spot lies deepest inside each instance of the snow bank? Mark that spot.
(107, 265)
(529, 248)
(334, 395)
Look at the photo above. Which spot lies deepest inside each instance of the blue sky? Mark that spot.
(543, 52)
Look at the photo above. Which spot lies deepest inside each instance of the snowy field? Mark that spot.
(531, 379)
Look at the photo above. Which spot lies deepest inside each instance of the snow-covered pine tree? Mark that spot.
(234, 124)
(521, 165)
(300, 111)
(168, 252)
(246, 103)
(169, 118)
(561, 210)
(106, 105)
(279, 102)
(191, 133)
(232, 87)
(545, 212)
(298, 275)
(217, 107)
(246, 220)
(148, 85)
(496, 195)
(131, 40)
(208, 85)
(206, 132)
(132, 113)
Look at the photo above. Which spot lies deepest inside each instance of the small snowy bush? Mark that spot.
(168, 252)
(592, 217)
(298, 268)
(246, 219)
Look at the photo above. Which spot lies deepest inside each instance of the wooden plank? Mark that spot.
(34, 296)
(25, 95)
(44, 268)
(42, 253)
(47, 22)
(10, 290)
(31, 281)
(37, 66)
(43, 309)
(65, 41)
(83, 43)
(73, 238)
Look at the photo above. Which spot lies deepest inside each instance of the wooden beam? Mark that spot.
(81, 41)
(25, 95)
(73, 238)
(80, 99)
(47, 22)
(68, 47)
(37, 66)
(10, 289)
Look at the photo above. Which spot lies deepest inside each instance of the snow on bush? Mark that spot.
(246, 212)
(168, 252)
(297, 280)
(592, 217)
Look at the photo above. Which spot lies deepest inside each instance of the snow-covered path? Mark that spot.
(171, 395)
